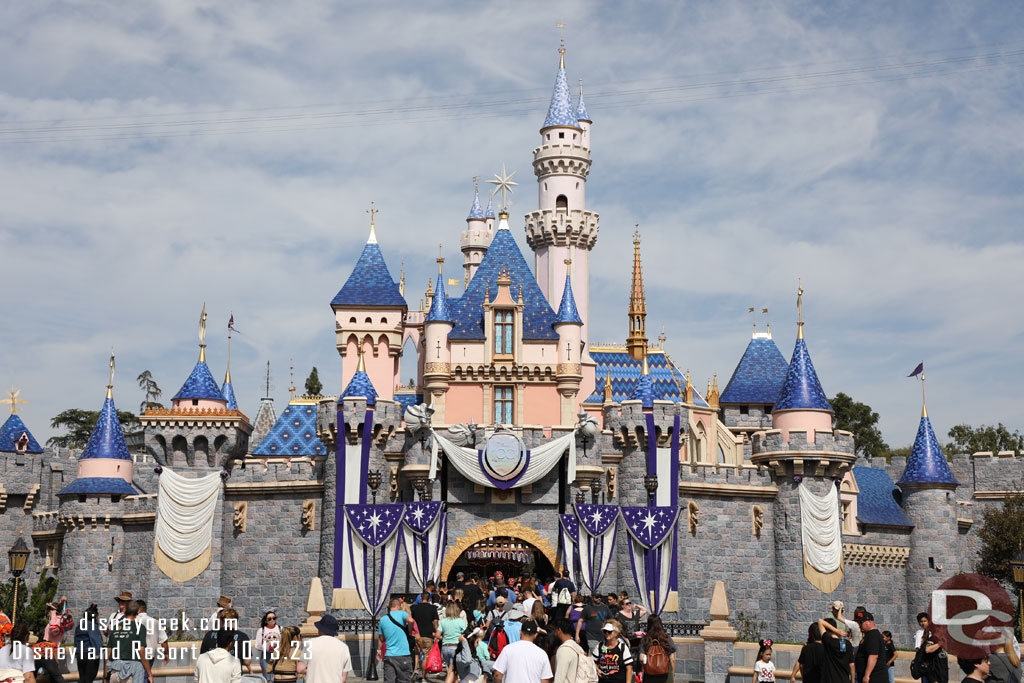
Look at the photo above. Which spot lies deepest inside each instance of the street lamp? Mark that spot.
(581, 497)
(595, 490)
(17, 558)
(1017, 567)
(651, 484)
(373, 479)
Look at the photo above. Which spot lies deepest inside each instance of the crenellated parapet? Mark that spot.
(387, 421)
(204, 437)
(627, 422)
(830, 454)
(575, 227)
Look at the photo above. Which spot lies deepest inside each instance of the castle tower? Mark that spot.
(437, 359)
(561, 228)
(644, 390)
(801, 405)
(568, 325)
(476, 238)
(755, 385)
(369, 311)
(636, 342)
(583, 118)
(929, 501)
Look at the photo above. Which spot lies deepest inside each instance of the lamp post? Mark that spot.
(1017, 567)
(373, 479)
(651, 484)
(581, 497)
(17, 558)
(595, 490)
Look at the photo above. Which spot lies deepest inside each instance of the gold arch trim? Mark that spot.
(485, 531)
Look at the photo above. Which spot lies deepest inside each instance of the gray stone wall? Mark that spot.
(933, 544)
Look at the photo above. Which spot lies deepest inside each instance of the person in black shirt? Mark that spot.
(564, 582)
(424, 613)
(871, 659)
(241, 648)
(838, 665)
(890, 655)
(471, 595)
(812, 657)
(976, 669)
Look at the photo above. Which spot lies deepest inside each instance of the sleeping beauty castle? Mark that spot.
(524, 445)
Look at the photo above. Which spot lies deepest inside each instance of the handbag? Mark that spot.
(434, 664)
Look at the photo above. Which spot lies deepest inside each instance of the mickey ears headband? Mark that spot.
(766, 643)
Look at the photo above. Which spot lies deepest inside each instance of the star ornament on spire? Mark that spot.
(13, 400)
(504, 185)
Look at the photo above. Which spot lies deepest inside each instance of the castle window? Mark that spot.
(504, 333)
(195, 401)
(721, 456)
(561, 204)
(383, 321)
(352, 319)
(52, 552)
(369, 321)
(22, 445)
(504, 405)
(744, 410)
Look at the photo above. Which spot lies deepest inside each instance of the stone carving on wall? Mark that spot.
(308, 514)
(757, 519)
(393, 487)
(693, 515)
(611, 482)
(463, 434)
(238, 519)
(417, 417)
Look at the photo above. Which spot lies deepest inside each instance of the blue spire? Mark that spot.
(489, 211)
(644, 390)
(439, 311)
(567, 312)
(107, 440)
(370, 283)
(560, 111)
(759, 375)
(581, 108)
(200, 384)
(360, 385)
(12, 432)
(801, 389)
(926, 464)
(229, 394)
(475, 212)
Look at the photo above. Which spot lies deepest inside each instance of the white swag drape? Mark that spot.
(185, 511)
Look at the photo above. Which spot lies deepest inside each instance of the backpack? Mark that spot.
(498, 639)
(920, 666)
(586, 669)
(657, 663)
(564, 597)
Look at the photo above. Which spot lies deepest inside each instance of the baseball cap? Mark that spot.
(865, 616)
(838, 604)
(500, 601)
(529, 627)
(609, 627)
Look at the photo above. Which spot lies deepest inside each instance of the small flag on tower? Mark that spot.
(918, 370)
(231, 324)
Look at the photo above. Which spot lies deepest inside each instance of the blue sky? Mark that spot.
(157, 155)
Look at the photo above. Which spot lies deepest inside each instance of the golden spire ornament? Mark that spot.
(373, 211)
(202, 335)
(13, 400)
(110, 381)
(799, 309)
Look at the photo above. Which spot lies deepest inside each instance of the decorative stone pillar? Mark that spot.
(315, 607)
(719, 638)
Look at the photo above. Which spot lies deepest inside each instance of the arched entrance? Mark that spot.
(511, 539)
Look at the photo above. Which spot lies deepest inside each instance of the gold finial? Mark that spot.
(689, 388)
(361, 366)
(924, 405)
(707, 392)
(13, 400)
(799, 309)
(202, 335)
(440, 258)
(608, 386)
(645, 369)
(767, 322)
(520, 292)
(662, 338)
(110, 380)
(231, 328)
(567, 261)
(751, 312)
(373, 211)
(401, 280)
(636, 233)
(561, 47)
(291, 375)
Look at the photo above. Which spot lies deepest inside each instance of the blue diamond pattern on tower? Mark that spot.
(644, 391)
(98, 485)
(228, 392)
(560, 112)
(294, 433)
(567, 312)
(669, 384)
(581, 110)
(759, 375)
(107, 439)
(801, 389)
(11, 433)
(439, 309)
(475, 212)
(370, 283)
(200, 384)
(927, 464)
(468, 310)
(360, 387)
(489, 211)
(876, 503)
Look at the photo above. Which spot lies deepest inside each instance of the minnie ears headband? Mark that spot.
(267, 610)
(766, 643)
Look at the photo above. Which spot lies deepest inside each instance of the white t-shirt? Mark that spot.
(24, 662)
(155, 633)
(764, 671)
(528, 606)
(918, 637)
(329, 659)
(522, 662)
(113, 620)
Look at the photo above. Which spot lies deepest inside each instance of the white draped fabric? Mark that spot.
(543, 459)
(426, 550)
(362, 569)
(184, 513)
(822, 529)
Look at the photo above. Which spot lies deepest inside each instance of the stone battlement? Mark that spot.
(772, 441)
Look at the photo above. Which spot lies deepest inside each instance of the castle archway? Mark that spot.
(498, 530)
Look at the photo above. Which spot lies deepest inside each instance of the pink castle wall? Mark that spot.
(541, 405)
(464, 403)
(802, 421)
(107, 468)
(381, 366)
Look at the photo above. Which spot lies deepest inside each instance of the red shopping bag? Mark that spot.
(433, 663)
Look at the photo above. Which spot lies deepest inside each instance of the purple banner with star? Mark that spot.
(425, 536)
(598, 526)
(373, 550)
(652, 546)
(348, 492)
(570, 526)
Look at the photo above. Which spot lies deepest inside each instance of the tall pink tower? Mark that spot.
(561, 231)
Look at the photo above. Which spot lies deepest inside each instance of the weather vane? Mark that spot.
(503, 183)
(13, 400)
(373, 211)
(202, 334)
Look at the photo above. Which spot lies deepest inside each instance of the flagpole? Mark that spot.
(924, 404)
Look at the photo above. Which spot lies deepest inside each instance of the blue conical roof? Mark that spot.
(927, 464)
(439, 311)
(229, 394)
(567, 312)
(107, 439)
(560, 111)
(370, 283)
(644, 390)
(12, 431)
(200, 384)
(759, 375)
(475, 212)
(360, 387)
(801, 389)
(581, 110)
(489, 211)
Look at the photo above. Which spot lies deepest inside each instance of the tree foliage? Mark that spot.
(151, 389)
(31, 603)
(78, 425)
(968, 439)
(313, 385)
(1000, 533)
(858, 418)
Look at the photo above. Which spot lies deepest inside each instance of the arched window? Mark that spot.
(383, 321)
(721, 455)
(369, 321)
(561, 204)
(352, 319)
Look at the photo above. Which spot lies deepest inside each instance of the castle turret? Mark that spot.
(368, 312)
(437, 363)
(568, 325)
(562, 228)
(929, 502)
(15, 436)
(476, 238)
(583, 119)
(801, 405)
(636, 342)
(751, 392)
(644, 390)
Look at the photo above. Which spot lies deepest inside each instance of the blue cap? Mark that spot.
(229, 395)
(567, 312)
(927, 464)
(107, 439)
(370, 282)
(293, 434)
(759, 376)
(475, 212)
(12, 431)
(560, 111)
(200, 384)
(439, 311)
(801, 389)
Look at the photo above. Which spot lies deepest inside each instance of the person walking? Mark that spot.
(593, 623)
(16, 655)
(629, 615)
(284, 666)
(88, 645)
(329, 660)
(228, 618)
(612, 656)
(657, 652)
(569, 656)
(522, 661)
(1004, 665)
(268, 640)
(838, 666)
(126, 648)
(811, 659)
(116, 616)
(934, 657)
(425, 615)
(219, 665)
(394, 636)
(870, 660)
(45, 651)
(156, 636)
(977, 670)
(890, 655)
(451, 629)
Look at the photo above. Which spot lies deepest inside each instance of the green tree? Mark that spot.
(968, 439)
(313, 385)
(78, 425)
(1000, 533)
(858, 418)
(31, 603)
(152, 391)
